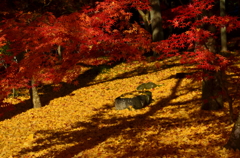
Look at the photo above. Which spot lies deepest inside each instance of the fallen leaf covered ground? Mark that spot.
(80, 120)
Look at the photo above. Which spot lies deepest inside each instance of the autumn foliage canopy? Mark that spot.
(30, 40)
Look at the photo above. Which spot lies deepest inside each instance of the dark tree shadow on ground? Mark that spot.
(49, 93)
(84, 79)
(93, 134)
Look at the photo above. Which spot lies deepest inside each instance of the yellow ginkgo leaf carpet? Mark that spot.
(84, 123)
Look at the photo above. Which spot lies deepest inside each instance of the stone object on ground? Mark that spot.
(135, 99)
(148, 85)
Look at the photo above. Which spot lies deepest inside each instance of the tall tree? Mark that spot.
(153, 20)
(223, 28)
(212, 95)
(223, 51)
(80, 36)
(201, 35)
(36, 102)
(156, 21)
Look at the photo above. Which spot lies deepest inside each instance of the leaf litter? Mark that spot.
(85, 124)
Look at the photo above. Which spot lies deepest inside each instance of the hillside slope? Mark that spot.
(84, 123)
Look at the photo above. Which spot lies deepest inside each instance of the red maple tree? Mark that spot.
(105, 30)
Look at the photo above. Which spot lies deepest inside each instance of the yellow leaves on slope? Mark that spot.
(84, 123)
(29, 140)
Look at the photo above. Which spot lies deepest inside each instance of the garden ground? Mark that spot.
(81, 121)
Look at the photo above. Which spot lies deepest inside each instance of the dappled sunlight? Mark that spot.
(84, 123)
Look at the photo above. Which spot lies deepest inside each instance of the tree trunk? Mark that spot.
(33, 90)
(211, 87)
(59, 51)
(234, 140)
(223, 29)
(212, 95)
(224, 51)
(34, 95)
(146, 19)
(212, 92)
(156, 21)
